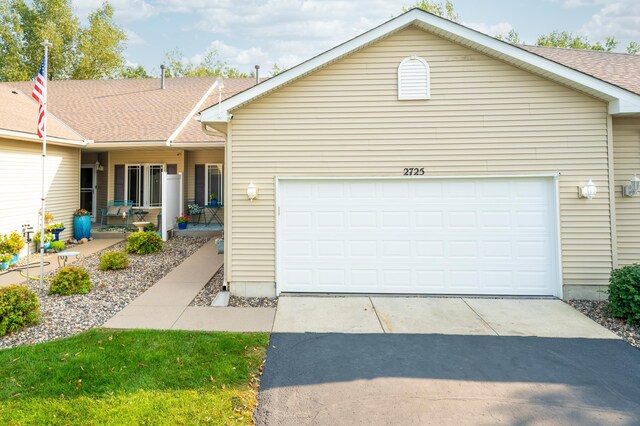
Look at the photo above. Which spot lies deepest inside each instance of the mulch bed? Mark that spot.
(214, 286)
(64, 316)
(599, 312)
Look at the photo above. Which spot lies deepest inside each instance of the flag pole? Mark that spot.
(46, 44)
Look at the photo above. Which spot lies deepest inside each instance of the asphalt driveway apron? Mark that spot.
(404, 377)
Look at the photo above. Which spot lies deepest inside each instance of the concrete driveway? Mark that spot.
(444, 361)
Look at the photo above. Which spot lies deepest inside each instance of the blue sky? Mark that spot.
(248, 32)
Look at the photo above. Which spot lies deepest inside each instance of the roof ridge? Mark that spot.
(579, 50)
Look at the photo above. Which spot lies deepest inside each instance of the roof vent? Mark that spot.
(162, 68)
(257, 74)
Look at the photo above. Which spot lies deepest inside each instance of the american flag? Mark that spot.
(39, 95)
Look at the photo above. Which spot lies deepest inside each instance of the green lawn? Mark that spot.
(132, 377)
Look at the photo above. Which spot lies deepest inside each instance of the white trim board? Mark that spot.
(621, 101)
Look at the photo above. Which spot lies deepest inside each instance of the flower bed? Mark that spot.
(599, 312)
(64, 316)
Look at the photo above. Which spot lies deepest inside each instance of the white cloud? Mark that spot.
(134, 38)
(620, 19)
(500, 28)
(124, 10)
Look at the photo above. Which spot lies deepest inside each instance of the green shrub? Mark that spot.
(149, 227)
(57, 245)
(144, 243)
(71, 280)
(19, 307)
(112, 260)
(624, 293)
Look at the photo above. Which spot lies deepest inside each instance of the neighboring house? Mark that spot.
(21, 165)
(136, 130)
(426, 157)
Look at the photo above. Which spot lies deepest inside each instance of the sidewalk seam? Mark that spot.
(480, 316)
(375, 311)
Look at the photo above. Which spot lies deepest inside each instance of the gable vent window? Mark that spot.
(413, 79)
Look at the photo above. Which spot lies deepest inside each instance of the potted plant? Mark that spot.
(183, 220)
(4, 260)
(81, 224)
(15, 244)
(213, 200)
(56, 229)
(48, 238)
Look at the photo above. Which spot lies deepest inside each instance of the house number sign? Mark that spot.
(414, 171)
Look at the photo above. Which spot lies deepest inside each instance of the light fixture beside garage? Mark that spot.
(633, 188)
(588, 191)
(252, 191)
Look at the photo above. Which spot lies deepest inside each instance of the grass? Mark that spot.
(132, 377)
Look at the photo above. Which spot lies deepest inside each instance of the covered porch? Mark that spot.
(128, 180)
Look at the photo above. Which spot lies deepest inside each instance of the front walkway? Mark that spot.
(85, 250)
(165, 305)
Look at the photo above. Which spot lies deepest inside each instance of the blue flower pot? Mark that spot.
(81, 227)
(182, 225)
(213, 203)
(14, 259)
(56, 232)
(4, 265)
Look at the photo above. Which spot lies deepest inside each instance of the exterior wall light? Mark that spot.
(633, 189)
(252, 191)
(588, 191)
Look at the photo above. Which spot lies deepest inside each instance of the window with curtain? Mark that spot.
(144, 184)
(214, 183)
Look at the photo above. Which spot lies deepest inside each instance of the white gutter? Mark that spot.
(191, 114)
(31, 137)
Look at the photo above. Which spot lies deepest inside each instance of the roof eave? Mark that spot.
(24, 136)
(453, 31)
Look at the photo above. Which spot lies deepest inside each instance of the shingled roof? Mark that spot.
(134, 110)
(19, 114)
(620, 69)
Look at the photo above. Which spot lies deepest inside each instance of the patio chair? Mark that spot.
(194, 209)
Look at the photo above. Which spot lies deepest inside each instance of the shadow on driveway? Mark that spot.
(447, 379)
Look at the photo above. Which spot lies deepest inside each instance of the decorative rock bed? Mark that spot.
(599, 312)
(214, 286)
(64, 316)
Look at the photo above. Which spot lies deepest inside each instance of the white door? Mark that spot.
(429, 236)
(88, 189)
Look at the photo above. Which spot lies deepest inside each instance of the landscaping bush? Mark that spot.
(113, 260)
(624, 293)
(144, 243)
(57, 245)
(19, 307)
(71, 280)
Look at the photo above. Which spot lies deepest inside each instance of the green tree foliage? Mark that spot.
(100, 47)
(210, 65)
(570, 41)
(77, 52)
(511, 37)
(444, 9)
(633, 48)
(277, 69)
(138, 71)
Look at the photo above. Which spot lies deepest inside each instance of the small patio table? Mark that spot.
(140, 214)
(63, 257)
(214, 213)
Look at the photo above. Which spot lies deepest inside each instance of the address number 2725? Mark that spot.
(413, 171)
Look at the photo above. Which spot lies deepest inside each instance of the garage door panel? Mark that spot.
(418, 236)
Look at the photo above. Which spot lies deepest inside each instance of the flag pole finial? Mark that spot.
(46, 43)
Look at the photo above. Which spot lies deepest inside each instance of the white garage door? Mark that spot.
(429, 236)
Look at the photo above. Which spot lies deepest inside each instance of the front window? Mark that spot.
(144, 184)
(215, 183)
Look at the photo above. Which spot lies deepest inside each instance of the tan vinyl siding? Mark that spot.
(142, 157)
(626, 154)
(484, 117)
(20, 165)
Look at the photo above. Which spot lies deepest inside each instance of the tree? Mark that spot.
(633, 48)
(92, 52)
(100, 47)
(277, 69)
(444, 9)
(210, 65)
(130, 71)
(511, 37)
(569, 41)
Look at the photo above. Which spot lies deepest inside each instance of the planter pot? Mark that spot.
(220, 244)
(182, 225)
(213, 203)
(4, 265)
(47, 246)
(56, 232)
(81, 227)
(14, 259)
